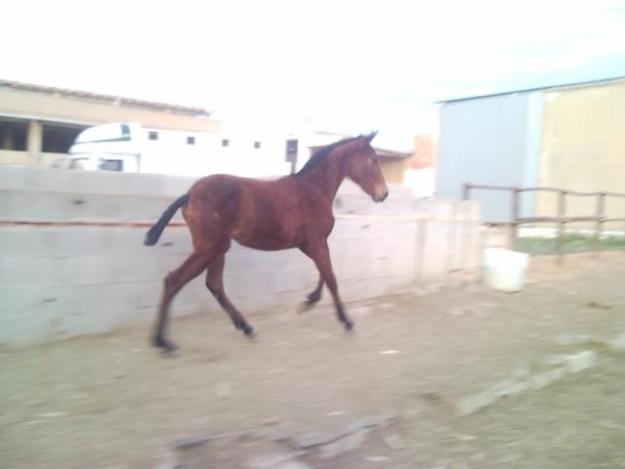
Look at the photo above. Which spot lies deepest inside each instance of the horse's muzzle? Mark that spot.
(381, 196)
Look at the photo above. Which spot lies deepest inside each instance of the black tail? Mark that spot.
(154, 233)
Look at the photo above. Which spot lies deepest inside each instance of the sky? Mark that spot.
(346, 66)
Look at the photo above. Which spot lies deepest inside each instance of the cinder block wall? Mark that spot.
(72, 259)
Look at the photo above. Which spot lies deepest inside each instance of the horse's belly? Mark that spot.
(265, 243)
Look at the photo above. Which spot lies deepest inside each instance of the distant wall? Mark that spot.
(394, 169)
(72, 260)
(584, 148)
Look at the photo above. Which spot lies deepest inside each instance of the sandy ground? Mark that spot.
(111, 401)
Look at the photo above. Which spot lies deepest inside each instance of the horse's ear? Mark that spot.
(371, 136)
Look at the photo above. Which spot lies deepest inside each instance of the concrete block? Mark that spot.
(20, 299)
(509, 387)
(470, 405)
(19, 242)
(292, 279)
(35, 179)
(23, 330)
(15, 272)
(545, 378)
(11, 178)
(581, 361)
(617, 344)
(31, 205)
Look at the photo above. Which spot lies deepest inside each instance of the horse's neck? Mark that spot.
(327, 176)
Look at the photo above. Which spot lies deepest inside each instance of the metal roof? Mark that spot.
(106, 99)
(539, 88)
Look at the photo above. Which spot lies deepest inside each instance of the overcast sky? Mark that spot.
(339, 65)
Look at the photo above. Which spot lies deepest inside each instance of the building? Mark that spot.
(38, 124)
(567, 136)
(420, 172)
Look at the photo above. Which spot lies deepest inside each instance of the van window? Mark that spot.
(112, 165)
(153, 135)
(104, 133)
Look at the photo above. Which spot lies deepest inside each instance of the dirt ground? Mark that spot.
(111, 401)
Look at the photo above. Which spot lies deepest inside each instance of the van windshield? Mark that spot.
(105, 133)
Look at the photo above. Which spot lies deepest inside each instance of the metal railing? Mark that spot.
(599, 218)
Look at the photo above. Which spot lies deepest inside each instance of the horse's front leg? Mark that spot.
(318, 251)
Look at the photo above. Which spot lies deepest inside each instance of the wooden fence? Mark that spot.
(515, 220)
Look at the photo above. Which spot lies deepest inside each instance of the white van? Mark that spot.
(108, 147)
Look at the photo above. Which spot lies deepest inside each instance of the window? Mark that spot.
(153, 135)
(112, 165)
(257, 145)
(190, 140)
(225, 142)
(58, 139)
(13, 136)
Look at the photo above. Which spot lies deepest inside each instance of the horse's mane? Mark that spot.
(320, 155)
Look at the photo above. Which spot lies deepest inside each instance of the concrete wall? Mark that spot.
(72, 260)
(15, 158)
(493, 140)
(584, 147)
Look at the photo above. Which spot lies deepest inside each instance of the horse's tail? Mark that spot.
(157, 229)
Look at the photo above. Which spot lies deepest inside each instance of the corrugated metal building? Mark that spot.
(569, 136)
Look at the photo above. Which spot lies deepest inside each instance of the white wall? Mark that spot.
(72, 260)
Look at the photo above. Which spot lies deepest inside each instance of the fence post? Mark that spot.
(514, 219)
(599, 223)
(561, 222)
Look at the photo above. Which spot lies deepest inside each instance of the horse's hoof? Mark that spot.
(349, 325)
(248, 331)
(172, 352)
(305, 306)
(165, 345)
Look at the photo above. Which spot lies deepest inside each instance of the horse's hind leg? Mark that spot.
(215, 283)
(313, 297)
(190, 268)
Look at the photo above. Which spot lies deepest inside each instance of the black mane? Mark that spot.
(320, 155)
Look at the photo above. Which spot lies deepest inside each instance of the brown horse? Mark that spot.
(291, 212)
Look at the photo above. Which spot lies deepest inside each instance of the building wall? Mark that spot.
(584, 147)
(72, 261)
(394, 169)
(42, 106)
(494, 141)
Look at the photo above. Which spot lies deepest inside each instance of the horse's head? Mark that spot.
(364, 168)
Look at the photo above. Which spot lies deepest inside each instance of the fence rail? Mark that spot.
(599, 218)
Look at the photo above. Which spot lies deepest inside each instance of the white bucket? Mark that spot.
(505, 270)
